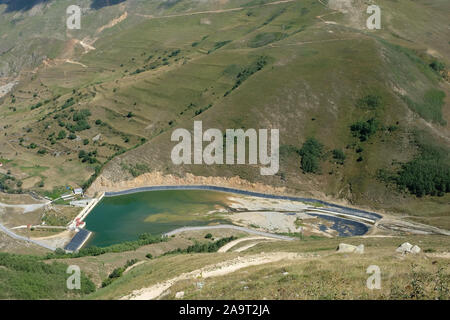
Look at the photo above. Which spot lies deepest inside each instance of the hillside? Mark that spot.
(363, 118)
(98, 105)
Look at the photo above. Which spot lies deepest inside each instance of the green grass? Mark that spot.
(431, 106)
(263, 39)
(27, 277)
(306, 88)
(314, 276)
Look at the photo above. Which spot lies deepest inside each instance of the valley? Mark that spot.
(359, 148)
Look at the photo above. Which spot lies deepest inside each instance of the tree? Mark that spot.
(61, 135)
(364, 129)
(339, 155)
(309, 163)
(311, 153)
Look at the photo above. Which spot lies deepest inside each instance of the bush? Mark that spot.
(364, 129)
(118, 272)
(143, 240)
(61, 135)
(339, 155)
(437, 66)
(250, 70)
(208, 236)
(311, 153)
(69, 102)
(204, 247)
(28, 277)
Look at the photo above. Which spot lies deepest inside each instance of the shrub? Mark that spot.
(250, 70)
(61, 135)
(425, 175)
(364, 129)
(311, 153)
(203, 247)
(143, 240)
(339, 155)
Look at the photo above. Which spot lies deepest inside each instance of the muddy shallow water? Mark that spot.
(123, 217)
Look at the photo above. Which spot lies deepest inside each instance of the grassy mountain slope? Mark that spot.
(158, 66)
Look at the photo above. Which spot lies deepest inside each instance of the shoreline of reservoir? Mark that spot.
(335, 207)
(339, 211)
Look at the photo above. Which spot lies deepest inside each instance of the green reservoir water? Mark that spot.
(124, 218)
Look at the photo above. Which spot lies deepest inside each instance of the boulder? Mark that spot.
(360, 249)
(405, 248)
(179, 295)
(415, 249)
(408, 248)
(348, 248)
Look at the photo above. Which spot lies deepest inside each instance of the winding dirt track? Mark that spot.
(213, 11)
(216, 270)
(231, 244)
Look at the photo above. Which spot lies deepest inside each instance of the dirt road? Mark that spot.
(216, 270)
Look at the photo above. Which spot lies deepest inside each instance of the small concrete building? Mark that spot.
(78, 191)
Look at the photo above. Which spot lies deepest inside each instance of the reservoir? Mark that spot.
(123, 216)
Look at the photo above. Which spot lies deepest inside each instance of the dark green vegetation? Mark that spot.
(430, 108)
(7, 183)
(258, 65)
(144, 239)
(311, 153)
(247, 72)
(203, 247)
(28, 277)
(117, 273)
(339, 156)
(364, 129)
(428, 173)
